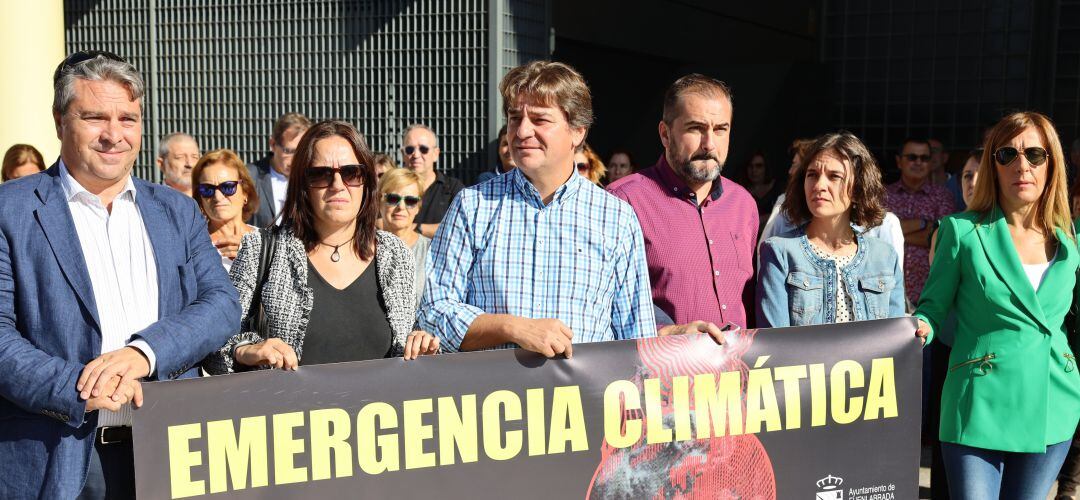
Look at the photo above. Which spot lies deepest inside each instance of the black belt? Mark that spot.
(113, 435)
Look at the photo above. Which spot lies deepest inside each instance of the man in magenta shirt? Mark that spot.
(700, 228)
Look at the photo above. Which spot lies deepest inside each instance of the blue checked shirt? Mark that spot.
(499, 250)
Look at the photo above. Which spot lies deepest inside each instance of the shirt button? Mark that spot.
(716, 273)
(723, 306)
(710, 241)
(806, 283)
(881, 284)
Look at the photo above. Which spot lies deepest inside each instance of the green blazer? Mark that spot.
(1013, 383)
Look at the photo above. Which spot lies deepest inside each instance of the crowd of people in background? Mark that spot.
(227, 266)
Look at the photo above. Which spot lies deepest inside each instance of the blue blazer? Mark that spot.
(49, 326)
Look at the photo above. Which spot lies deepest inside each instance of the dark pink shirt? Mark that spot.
(700, 258)
(929, 202)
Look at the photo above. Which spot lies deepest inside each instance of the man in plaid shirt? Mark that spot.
(538, 258)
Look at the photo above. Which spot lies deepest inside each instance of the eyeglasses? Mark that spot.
(1034, 155)
(227, 188)
(82, 56)
(409, 150)
(582, 167)
(394, 200)
(323, 177)
(914, 157)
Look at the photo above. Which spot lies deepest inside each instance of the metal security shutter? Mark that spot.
(224, 71)
(1067, 83)
(948, 68)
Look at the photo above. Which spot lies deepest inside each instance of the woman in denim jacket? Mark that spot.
(825, 271)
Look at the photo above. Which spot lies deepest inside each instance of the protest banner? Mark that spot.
(827, 412)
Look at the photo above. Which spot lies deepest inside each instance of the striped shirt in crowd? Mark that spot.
(580, 259)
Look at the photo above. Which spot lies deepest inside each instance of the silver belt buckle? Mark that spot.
(101, 434)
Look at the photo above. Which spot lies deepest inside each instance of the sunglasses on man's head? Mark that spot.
(914, 157)
(1034, 155)
(227, 188)
(321, 177)
(395, 200)
(409, 150)
(82, 56)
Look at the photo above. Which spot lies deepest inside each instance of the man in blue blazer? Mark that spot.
(105, 280)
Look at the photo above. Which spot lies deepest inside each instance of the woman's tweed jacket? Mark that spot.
(287, 299)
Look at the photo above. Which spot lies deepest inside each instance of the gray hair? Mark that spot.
(163, 146)
(99, 68)
(421, 126)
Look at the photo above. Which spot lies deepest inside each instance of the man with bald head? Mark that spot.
(419, 153)
(177, 155)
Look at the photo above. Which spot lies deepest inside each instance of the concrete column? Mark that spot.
(31, 45)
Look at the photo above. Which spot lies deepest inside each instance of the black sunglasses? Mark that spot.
(321, 177)
(1034, 155)
(227, 188)
(409, 150)
(82, 56)
(584, 167)
(915, 157)
(394, 200)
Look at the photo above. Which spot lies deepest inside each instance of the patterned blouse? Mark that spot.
(843, 300)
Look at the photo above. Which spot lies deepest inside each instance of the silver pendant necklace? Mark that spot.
(336, 256)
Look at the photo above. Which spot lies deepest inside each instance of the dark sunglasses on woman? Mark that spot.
(394, 200)
(227, 188)
(322, 177)
(582, 167)
(1034, 155)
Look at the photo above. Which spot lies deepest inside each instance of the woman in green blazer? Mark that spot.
(1007, 268)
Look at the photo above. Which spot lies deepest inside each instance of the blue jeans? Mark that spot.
(980, 474)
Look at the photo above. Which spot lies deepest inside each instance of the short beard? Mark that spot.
(695, 175)
(178, 180)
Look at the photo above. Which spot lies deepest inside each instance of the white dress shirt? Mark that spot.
(280, 185)
(122, 269)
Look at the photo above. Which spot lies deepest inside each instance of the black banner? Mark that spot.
(825, 412)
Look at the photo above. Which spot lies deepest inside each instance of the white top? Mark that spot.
(280, 185)
(420, 252)
(122, 269)
(1036, 272)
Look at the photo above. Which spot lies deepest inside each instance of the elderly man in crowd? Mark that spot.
(80, 328)
(539, 257)
(419, 152)
(177, 155)
(700, 228)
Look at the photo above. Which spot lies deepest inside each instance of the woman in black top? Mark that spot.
(336, 288)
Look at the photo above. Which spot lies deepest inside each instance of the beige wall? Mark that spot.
(31, 45)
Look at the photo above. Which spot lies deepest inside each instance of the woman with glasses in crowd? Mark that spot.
(824, 270)
(336, 289)
(589, 164)
(227, 197)
(1007, 268)
(401, 193)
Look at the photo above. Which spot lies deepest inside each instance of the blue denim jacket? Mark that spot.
(798, 288)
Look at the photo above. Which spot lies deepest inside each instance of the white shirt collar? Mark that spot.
(277, 176)
(73, 189)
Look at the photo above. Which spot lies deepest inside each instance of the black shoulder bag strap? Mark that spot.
(256, 319)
